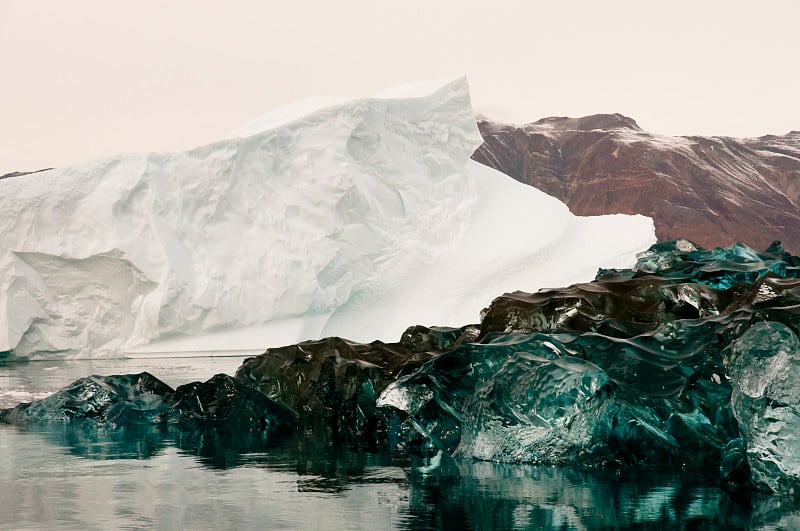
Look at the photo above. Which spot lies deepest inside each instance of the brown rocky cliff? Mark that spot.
(712, 190)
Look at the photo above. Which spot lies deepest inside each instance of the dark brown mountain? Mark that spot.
(21, 173)
(714, 191)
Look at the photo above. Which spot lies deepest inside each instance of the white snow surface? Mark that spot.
(355, 218)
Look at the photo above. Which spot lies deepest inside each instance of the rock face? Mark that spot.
(21, 173)
(712, 190)
(355, 218)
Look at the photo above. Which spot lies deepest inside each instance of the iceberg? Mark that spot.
(354, 218)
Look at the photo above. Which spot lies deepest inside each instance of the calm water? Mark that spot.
(58, 478)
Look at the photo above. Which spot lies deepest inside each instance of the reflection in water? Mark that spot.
(306, 483)
(494, 496)
(133, 442)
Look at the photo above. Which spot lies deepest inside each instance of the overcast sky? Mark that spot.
(83, 79)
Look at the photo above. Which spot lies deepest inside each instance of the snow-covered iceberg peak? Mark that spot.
(348, 217)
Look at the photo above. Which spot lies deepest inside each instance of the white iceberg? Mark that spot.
(355, 218)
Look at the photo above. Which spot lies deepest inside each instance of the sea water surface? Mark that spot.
(60, 478)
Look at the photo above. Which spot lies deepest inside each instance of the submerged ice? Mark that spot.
(352, 217)
(686, 360)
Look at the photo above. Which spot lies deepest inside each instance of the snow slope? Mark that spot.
(354, 218)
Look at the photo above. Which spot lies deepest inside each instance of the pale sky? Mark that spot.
(84, 79)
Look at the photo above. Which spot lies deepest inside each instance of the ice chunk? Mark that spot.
(99, 401)
(229, 403)
(131, 400)
(534, 409)
(766, 402)
(721, 267)
(332, 384)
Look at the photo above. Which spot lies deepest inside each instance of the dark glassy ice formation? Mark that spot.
(641, 366)
(332, 385)
(687, 360)
(124, 401)
(120, 400)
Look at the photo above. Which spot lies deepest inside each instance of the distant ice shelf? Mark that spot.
(354, 217)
